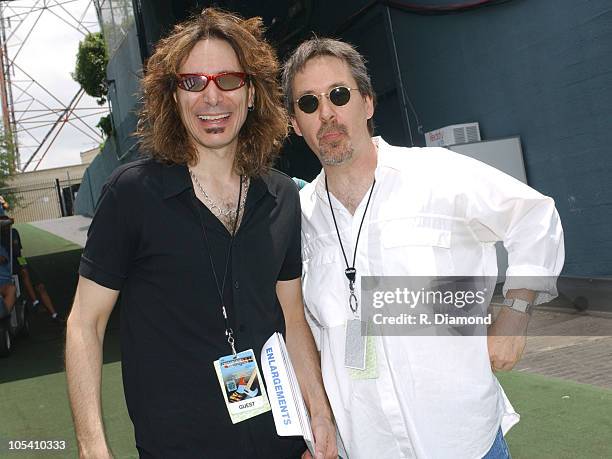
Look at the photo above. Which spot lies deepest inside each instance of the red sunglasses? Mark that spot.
(196, 82)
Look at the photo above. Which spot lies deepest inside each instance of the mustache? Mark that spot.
(331, 127)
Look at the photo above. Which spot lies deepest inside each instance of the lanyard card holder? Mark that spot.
(355, 345)
(244, 394)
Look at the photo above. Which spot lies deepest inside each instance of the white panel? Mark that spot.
(507, 156)
(503, 154)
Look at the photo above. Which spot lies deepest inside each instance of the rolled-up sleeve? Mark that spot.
(501, 208)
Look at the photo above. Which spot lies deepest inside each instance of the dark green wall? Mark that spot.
(540, 69)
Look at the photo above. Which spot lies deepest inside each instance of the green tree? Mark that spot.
(7, 164)
(106, 125)
(90, 70)
(7, 156)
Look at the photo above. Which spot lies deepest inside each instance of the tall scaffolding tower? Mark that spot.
(33, 116)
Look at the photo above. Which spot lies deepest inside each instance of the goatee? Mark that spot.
(334, 152)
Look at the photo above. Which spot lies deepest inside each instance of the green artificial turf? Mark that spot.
(37, 409)
(37, 242)
(559, 419)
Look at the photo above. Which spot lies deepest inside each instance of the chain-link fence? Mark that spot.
(116, 17)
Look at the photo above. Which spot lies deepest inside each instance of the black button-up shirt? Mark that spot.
(146, 240)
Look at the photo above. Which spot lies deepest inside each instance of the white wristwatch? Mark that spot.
(518, 305)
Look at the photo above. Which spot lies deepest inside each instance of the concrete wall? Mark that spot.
(88, 156)
(74, 173)
(34, 195)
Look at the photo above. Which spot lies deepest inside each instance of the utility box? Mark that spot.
(453, 135)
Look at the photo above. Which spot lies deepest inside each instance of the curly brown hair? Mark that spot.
(160, 128)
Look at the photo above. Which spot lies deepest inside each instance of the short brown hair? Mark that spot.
(160, 128)
(316, 47)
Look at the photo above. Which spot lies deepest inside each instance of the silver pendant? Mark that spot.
(353, 303)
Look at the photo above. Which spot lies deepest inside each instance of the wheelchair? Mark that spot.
(17, 322)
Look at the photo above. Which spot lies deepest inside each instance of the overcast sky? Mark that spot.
(48, 56)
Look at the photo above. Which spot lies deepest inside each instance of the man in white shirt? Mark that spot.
(379, 210)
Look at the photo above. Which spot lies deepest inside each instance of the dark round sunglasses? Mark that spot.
(197, 82)
(338, 96)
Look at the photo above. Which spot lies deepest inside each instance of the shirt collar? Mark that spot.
(385, 158)
(175, 180)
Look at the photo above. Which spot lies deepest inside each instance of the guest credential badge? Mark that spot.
(241, 385)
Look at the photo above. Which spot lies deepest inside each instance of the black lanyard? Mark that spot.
(350, 272)
(221, 288)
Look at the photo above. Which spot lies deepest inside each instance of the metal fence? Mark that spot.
(42, 201)
(116, 17)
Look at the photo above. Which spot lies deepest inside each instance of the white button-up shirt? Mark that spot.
(434, 213)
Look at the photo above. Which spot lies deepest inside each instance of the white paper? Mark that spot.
(288, 408)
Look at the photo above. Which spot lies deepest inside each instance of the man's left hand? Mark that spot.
(324, 439)
(506, 339)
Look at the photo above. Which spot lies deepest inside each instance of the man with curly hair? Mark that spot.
(202, 239)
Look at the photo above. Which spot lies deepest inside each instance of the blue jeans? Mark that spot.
(499, 449)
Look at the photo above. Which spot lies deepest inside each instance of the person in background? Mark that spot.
(36, 290)
(7, 286)
(8, 291)
(27, 275)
